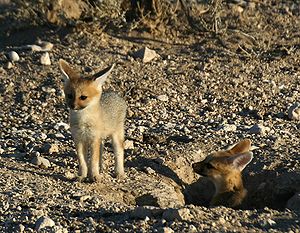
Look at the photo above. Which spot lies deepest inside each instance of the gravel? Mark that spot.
(195, 98)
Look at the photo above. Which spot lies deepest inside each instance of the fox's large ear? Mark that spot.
(67, 71)
(101, 76)
(240, 161)
(241, 147)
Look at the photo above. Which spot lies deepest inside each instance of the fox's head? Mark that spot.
(82, 91)
(225, 167)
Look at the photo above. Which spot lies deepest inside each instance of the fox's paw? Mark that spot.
(119, 175)
(95, 178)
(81, 178)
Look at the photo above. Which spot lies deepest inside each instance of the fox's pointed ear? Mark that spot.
(101, 76)
(240, 161)
(67, 71)
(241, 147)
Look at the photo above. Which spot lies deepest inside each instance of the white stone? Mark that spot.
(229, 128)
(145, 54)
(62, 125)
(44, 222)
(165, 230)
(294, 112)
(128, 145)
(9, 65)
(13, 56)
(42, 162)
(45, 59)
(163, 98)
(21, 228)
(271, 222)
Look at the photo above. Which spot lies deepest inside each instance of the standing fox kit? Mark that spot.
(224, 169)
(93, 117)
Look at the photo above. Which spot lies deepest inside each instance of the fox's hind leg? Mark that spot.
(101, 156)
(118, 144)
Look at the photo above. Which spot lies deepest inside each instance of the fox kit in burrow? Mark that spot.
(93, 117)
(224, 169)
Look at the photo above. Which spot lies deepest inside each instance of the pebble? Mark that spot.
(13, 56)
(9, 65)
(271, 222)
(150, 171)
(42, 162)
(165, 230)
(164, 98)
(192, 228)
(229, 128)
(63, 125)
(177, 214)
(44, 222)
(45, 59)
(128, 145)
(294, 112)
(145, 54)
(21, 228)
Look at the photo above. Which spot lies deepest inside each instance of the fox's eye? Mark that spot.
(209, 166)
(82, 97)
(69, 96)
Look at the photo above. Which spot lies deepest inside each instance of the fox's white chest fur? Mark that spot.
(86, 124)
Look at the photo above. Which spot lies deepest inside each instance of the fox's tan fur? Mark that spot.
(93, 117)
(224, 169)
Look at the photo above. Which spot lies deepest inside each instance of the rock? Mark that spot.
(149, 171)
(45, 59)
(294, 112)
(20, 228)
(183, 214)
(42, 162)
(8, 65)
(259, 129)
(165, 230)
(63, 125)
(271, 222)
(229, 128)
(294, 202)
(50, 148)
(45, 45)
(44, 222)
(13, 56)
(145, 54)
(192, 229)
(164, 98)
(128, 145)
(164, 193)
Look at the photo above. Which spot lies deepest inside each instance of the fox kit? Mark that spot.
(224, 169)
(94, 116)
